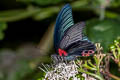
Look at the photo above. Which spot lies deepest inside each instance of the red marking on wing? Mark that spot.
(83, 53)
(62, 52)
(90, 51)
(87, 54)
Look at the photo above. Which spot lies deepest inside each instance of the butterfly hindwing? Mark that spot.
(63, 22)
(78, 47)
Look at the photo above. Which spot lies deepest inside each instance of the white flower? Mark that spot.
(63, 71)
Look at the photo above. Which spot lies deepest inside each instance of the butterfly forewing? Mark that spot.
(72, 35)
(63, 22)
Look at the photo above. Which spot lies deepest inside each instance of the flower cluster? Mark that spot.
(63, 71)
(94, 68)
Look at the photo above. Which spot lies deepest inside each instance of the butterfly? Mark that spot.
(69, 40)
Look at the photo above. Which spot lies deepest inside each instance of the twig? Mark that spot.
(113, 76)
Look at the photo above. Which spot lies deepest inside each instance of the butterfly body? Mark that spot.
(69, 40)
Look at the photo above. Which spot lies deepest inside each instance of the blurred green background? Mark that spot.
(26, 31)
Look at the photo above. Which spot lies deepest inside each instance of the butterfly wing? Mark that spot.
(74, 42)
(84, 37)
(72, 35)
(79, 47)
(63, 22)
(76, 49)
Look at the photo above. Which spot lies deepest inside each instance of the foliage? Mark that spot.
(115, 49)
(41, 2)
(3, 26)
(98, 30)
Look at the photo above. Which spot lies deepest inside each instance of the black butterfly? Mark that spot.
(69, 40)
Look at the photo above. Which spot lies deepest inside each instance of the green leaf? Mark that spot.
(46, 13)
(41, 2)
(47, 2)
(103, 32)
(14, 15)
(1, 35)
(112, 15)
(11, 12)
(3, 26)
(79, 4)
(115, 3)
